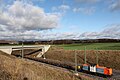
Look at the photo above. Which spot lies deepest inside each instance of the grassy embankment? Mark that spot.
(12, 68)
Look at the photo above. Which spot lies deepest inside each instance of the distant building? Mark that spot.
(8, 42)
(13, 42)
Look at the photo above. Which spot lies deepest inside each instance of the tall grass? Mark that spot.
(12, 68)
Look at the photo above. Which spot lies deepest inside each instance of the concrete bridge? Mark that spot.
(9, 49)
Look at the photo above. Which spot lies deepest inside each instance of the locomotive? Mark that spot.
(95, 68)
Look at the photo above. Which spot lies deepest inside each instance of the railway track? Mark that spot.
(70, 66)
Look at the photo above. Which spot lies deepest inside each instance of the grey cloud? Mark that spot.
(115, 5)
(27, 35)
(114, 28)
(89, 35)
(1, 28)
(67, 35)
(87, 1)
(60, 35)
(64, 7)
(85, 10)
(22, 16)
(61, 8)
(112, 31)
(37, 35)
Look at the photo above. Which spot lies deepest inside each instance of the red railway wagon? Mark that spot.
(104, 70)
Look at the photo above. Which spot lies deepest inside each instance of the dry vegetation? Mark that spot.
(12, 68)
(106, 58)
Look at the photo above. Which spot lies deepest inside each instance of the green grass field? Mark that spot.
(91, 46)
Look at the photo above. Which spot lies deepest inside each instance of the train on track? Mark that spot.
(95, 68)
(88, 68)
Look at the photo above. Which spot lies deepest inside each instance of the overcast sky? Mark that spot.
(59, 19)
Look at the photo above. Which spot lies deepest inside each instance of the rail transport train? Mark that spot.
(89, 68)
(95, 68)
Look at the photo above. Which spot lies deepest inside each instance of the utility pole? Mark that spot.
(76, 73)
(85, 54)
(22, 50)
(44, 53)
(96, 56)
(22, 45)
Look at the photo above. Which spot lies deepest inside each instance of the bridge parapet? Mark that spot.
(9, 49)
